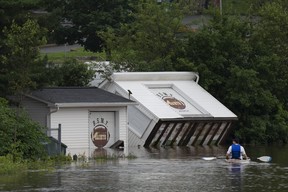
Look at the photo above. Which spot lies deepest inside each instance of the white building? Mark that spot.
(90, 118)
(173, 109)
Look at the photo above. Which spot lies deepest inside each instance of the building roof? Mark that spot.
(78, 96)
(159, 91)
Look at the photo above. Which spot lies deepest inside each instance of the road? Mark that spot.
(53, 48)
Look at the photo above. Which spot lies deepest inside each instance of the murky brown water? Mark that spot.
(178, 169)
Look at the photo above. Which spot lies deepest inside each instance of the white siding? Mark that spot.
(123, 128)
(138, 121)
(134, 140)
(75, 127)
(74, 123)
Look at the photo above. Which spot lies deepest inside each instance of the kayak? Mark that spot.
(239, 161)
(265, 159)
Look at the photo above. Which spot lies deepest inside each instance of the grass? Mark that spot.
(84, 161)
(114, 157)
(235, 7)
(7, 166)
(79, 53)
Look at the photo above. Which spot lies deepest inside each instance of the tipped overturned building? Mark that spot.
(173, 109)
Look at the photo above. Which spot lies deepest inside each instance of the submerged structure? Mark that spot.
(173, 109)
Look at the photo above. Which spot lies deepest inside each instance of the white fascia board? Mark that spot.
(94, 104)
(103, 83)
(155, 76)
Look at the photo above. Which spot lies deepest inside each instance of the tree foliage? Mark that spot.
(148, 43)
(19, 136)
(83, 19)
(270, 44)
(15, 10)
(243, 63)
(70, 73)
(20, 58)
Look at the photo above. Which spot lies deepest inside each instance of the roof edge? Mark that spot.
(202, 119)
(116, 104)
(40, 100)
(155, 76)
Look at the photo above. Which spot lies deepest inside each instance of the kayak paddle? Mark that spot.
(265, 158)
(208, 158)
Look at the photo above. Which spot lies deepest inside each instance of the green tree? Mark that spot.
(20, 61)
(15, 10)
(240, 63)
(70, 73)
(150, 42)
(83, 19)
(25, 142)
(270, 45)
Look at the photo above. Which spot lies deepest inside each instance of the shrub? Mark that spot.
(20, 136)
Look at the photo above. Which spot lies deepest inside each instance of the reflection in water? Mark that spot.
(100, 152)
(236, 172)
(165, 169)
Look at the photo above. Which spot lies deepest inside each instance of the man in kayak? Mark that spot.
(236, 151)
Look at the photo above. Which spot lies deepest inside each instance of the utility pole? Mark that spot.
(220, 7)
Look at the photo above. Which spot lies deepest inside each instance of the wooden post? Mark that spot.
(59, 139)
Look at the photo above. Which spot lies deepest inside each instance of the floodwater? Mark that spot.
(164, 169)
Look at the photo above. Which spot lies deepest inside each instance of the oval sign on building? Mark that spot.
(173, 102)
(100, 136)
